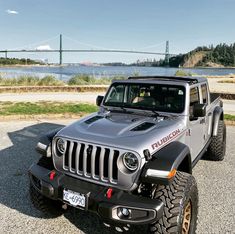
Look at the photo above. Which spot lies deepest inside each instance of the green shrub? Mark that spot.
(183, 73)
(50, 81)
(81, 80)
(27, 80)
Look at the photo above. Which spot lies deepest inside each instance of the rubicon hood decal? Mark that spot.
(166, 139)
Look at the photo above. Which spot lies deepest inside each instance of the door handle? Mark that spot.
(202, 121)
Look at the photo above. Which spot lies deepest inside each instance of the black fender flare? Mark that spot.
(44, 144)
(218, 111)
(175, 155)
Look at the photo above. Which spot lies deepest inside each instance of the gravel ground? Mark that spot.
(215, 182)
(215, 86)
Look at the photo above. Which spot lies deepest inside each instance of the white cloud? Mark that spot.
(12, 12)
(43, 47)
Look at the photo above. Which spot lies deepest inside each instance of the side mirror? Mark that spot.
(199, 110)
(99, 100)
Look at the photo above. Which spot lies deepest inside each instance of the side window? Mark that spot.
(194, 99)
(204, 94)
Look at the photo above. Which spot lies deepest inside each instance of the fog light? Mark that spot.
(125, 212)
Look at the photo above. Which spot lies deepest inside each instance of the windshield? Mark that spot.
(157, 97)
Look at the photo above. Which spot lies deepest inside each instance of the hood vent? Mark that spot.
(93, 119)
(142, 127)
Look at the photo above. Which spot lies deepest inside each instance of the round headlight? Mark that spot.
(60, 145)
(130, 161)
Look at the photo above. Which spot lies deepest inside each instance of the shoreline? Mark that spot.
(102, 65)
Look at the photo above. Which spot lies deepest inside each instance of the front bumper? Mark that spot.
(142, 210)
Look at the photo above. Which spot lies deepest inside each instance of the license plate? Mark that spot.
(74, 198)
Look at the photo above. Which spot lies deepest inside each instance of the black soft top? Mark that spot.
(185, 79)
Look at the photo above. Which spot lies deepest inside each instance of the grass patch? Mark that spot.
(229, 117)
(40, 108)
(28, 108)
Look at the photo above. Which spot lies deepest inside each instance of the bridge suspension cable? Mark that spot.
(33, 44)
(85, 44)
(152, 46)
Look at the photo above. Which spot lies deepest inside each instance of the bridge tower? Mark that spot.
(61, 50)
(167, 55)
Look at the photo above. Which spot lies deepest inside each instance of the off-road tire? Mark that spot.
(46, 163)
(45, 205)
(217, 147)
(176, 197)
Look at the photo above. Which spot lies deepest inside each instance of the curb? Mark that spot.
(30, 89)
(227, 96)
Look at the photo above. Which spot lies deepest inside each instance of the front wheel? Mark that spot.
(45, 205)
(180, 206)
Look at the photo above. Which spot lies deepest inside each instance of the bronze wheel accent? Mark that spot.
(187, 218)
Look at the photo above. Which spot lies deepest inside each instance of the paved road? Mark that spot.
(89, 97)
(215, 181)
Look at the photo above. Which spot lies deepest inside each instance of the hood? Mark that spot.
(125, 131)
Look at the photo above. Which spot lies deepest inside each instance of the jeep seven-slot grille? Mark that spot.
(91, 161)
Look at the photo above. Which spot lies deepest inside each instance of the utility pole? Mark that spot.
(167, 55)
(60, 49)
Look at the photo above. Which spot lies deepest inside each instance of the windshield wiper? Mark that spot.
(155, 113)
(119, 109)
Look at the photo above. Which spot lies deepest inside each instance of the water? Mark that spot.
(66, 72)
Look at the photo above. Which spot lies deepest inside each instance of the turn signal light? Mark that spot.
(52, 175)
(109, 193)
(171, 174)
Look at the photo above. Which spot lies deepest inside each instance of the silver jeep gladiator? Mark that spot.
(131, 162)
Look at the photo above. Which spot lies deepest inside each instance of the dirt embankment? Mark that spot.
(194, 59)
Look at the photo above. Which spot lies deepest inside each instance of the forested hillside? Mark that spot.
(222, 55)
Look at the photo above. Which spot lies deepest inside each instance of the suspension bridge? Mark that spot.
(61, 51)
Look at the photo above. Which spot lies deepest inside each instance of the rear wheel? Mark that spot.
(181, 206)
(217, 147)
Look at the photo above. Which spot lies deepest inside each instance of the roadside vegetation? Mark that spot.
(229, 117)
(53, 81)
(38, 108)
(91, 80)
(31, 81)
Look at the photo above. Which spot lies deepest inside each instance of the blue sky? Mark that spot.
(122, 24)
